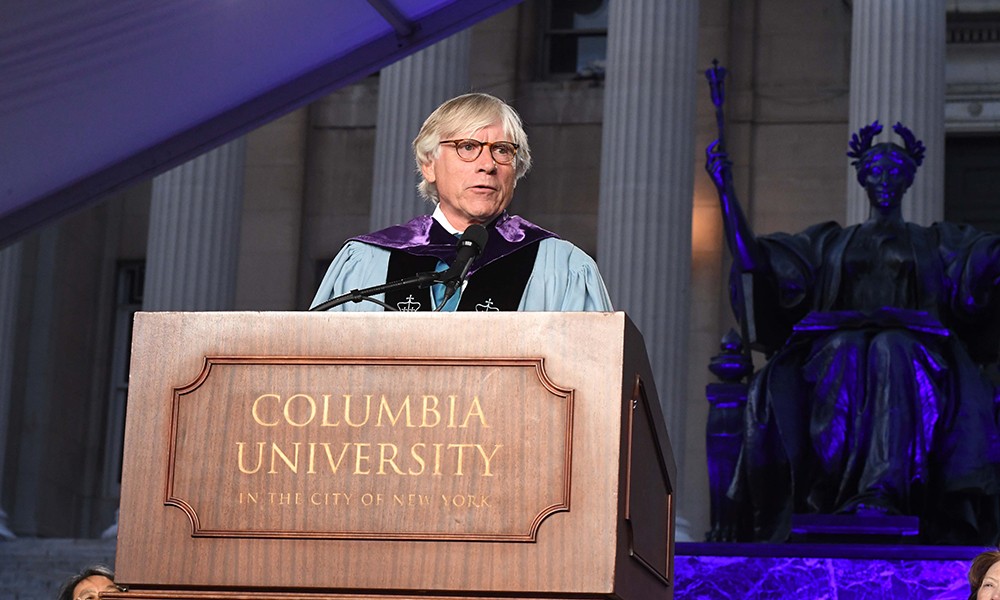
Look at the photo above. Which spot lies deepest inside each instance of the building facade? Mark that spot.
(617, 108)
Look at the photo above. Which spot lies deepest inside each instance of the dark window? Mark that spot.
(972, 181)
(972, 190)
(128, 299)
(576, 38)
(973, 28)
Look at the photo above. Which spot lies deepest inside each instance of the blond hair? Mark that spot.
(468, 112)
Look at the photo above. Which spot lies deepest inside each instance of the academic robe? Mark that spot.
(562, 277)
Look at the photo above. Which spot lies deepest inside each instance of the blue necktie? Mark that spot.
(438, 289)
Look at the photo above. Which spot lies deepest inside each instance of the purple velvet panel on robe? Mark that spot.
(423, 236)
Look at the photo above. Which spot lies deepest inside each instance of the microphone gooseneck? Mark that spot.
(470, 246)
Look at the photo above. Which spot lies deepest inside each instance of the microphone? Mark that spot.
(470, 246)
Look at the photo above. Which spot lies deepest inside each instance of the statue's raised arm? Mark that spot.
(739, 236)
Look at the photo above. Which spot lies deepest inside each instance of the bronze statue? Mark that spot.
(873, 399)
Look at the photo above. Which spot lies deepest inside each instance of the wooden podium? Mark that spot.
(394, 456)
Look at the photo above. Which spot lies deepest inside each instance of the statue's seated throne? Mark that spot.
(731, 520)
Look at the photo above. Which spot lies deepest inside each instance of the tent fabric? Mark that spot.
(97, 94)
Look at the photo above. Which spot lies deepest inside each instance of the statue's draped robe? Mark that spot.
(886, 408)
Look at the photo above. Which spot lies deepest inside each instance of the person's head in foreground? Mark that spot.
(88, 584)
(984, 576)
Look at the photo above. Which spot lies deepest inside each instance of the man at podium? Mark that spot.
(470, 152)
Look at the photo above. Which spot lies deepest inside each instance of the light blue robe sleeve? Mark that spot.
(564, 278)
(355, 267)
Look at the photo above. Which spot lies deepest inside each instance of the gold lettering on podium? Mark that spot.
(300, 410)
(370, 448)
(456, 460)
(343, 499)
(379, 458)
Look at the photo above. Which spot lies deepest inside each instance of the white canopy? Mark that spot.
(96, 94)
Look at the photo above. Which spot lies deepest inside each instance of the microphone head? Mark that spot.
(476, 236)
(468, 249)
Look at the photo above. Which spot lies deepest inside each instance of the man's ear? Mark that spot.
(427, 170)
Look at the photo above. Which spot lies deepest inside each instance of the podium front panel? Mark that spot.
(375, 453)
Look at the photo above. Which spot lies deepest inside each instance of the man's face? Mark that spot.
(476, 191)
(89, 588)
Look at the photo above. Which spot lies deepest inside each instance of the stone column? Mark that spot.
(408, 91)
(897, 74)
(194, 229)
(646, 191)
(10, 275)
(194, 237)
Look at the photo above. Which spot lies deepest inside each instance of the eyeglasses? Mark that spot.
(503, 153)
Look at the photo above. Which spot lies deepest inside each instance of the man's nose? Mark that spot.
(485, 161)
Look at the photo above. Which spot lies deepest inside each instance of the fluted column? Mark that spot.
(10, 275)
(644, 233)
(408, 91)
(897, 74)
(194, 229)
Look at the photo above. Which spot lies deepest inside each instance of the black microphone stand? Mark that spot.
(418, 281)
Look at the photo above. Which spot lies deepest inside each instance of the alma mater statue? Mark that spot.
(874, 398)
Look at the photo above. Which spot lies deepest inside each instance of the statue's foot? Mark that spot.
(871, 506)
(867, 509)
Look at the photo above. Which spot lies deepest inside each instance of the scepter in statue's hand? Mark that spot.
(716, 82)
(739, 236)
(717, 162)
